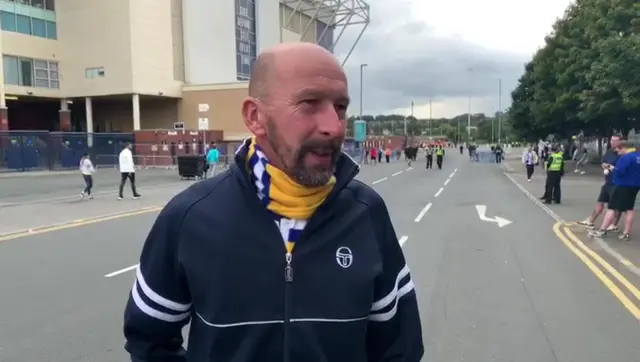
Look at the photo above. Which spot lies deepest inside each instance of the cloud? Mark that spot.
(409, 60)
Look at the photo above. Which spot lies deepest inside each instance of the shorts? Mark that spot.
(605, 193)
(623, 198)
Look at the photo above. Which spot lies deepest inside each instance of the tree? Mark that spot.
(585, 77)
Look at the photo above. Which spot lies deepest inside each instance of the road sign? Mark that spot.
(359, 130)
(203, 124)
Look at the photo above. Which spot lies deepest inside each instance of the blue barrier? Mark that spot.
(41, 150)
(483, 157)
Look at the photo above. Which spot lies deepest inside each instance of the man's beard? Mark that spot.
(293, 160)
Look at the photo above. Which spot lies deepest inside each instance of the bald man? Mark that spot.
(285, 256)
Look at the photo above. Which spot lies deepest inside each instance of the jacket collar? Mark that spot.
(346, 168)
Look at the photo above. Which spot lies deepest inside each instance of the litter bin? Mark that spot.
(191, 166)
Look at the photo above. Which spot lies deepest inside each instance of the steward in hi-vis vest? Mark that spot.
(555, 171)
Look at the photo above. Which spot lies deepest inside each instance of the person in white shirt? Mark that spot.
(127, 171)
(87, 170)
(529, 159)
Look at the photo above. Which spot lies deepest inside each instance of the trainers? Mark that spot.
(598, 233)
(613, 228)
(135, 197)
(624, 236)
(120, 197)
(586, 223)
(82, 195)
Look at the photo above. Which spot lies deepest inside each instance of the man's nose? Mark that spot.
(330, 123)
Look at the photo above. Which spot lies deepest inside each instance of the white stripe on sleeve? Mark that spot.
(154, 313)
(182, 311)
(157, 298)
(392, 298)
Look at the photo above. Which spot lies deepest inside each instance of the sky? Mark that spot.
(444, 52)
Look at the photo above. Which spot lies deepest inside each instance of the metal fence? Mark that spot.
(38, 150)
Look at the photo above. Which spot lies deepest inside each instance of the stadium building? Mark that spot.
(127, 65)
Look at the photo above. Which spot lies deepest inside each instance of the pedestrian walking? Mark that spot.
(87, 170)
(127, 171)
(303, 264)
(213, 158)
(529, 159)
(439, 156)
(429, 152)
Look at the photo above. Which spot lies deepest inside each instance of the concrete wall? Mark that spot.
(223, 103)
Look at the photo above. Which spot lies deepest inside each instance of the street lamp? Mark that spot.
(470, 70)
(430, 117)
(362, 66)
(499, 109)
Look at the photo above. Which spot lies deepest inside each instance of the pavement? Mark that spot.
(38, 187)
(497, 278)
(579, 194)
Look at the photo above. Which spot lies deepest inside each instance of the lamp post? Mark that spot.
(499, 110)
(362, 66)
(470, 70)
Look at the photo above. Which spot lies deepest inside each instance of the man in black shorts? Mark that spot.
(626, 184)
(608, 160)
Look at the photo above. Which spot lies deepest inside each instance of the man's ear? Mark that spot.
(253, 116)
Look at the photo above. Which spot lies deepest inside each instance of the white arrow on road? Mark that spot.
(482, 214)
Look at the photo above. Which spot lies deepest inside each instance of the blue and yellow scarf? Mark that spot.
(292, 203)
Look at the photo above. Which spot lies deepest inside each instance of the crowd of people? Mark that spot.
(621, 169)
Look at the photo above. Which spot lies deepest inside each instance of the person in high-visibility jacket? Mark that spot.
(439, 156)
(555, 171)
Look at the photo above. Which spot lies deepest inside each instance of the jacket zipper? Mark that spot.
(288, 280)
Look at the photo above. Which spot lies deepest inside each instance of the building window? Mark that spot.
(246, 49)
(26, 72)
(39, 27)
(26, 25)
(50, 5)
(52, 30)
(97, 72)
(11, 70)
(30, 72)
(37, 4)
(8, 21)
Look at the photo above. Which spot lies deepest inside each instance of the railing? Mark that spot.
(38, 150)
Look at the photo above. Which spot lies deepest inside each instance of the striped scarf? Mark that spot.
(291, 203)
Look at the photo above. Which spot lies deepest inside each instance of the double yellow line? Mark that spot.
(608, 275)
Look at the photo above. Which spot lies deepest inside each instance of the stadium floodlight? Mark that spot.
(338, 15)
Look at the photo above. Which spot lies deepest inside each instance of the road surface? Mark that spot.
(486, 293)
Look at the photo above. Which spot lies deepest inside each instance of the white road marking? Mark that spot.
(535, 200)
(601, 243)
(409, 169)
(423, 212)
(447, 182)
(439, 192)
(121, 271)
(397, 173)
(453, 173)
(378, 181)
(403, 240)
